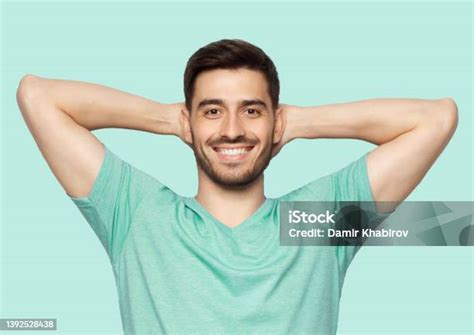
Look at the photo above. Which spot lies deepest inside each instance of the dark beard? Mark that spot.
(242, 180)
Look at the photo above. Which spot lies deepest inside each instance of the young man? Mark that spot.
(212, 263)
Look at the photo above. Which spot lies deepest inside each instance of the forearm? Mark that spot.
(95, 106)
(376, 120)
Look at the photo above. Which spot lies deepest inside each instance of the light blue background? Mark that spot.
(53, 266)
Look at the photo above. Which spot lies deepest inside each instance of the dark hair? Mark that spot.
(230, 54)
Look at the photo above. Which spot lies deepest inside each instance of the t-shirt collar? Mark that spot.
(253, 223)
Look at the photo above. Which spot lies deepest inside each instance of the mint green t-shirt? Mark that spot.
(179, 270)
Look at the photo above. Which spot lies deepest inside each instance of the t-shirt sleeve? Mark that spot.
(352, 183)
(116, 193)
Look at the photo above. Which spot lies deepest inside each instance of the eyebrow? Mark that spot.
(220, 102)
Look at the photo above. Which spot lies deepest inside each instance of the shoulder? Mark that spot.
(321, 189)
(348, 183)
(134, 179)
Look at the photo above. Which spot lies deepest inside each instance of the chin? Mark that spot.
(234, 182)
(232, 172)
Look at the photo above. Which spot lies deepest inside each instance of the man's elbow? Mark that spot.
(29, 88)
(446, 116)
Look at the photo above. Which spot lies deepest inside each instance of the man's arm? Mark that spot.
(60, 115)
(410, 134)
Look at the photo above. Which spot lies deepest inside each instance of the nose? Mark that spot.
(231, 127)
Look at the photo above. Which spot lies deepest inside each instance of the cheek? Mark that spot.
(202, 134)
(263, 132)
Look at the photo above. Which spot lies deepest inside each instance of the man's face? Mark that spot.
(232, 125)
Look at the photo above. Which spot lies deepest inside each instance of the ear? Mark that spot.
(186, 127)
(280, 124)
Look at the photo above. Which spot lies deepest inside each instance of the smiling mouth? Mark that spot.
(233, 153)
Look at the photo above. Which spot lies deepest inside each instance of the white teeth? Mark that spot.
(232, 152)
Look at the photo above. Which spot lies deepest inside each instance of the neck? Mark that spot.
(230, 206)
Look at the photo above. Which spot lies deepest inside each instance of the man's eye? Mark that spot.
(212, 112)
(252, 111)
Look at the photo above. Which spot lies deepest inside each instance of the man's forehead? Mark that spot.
(230, 87)
(227, 81)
